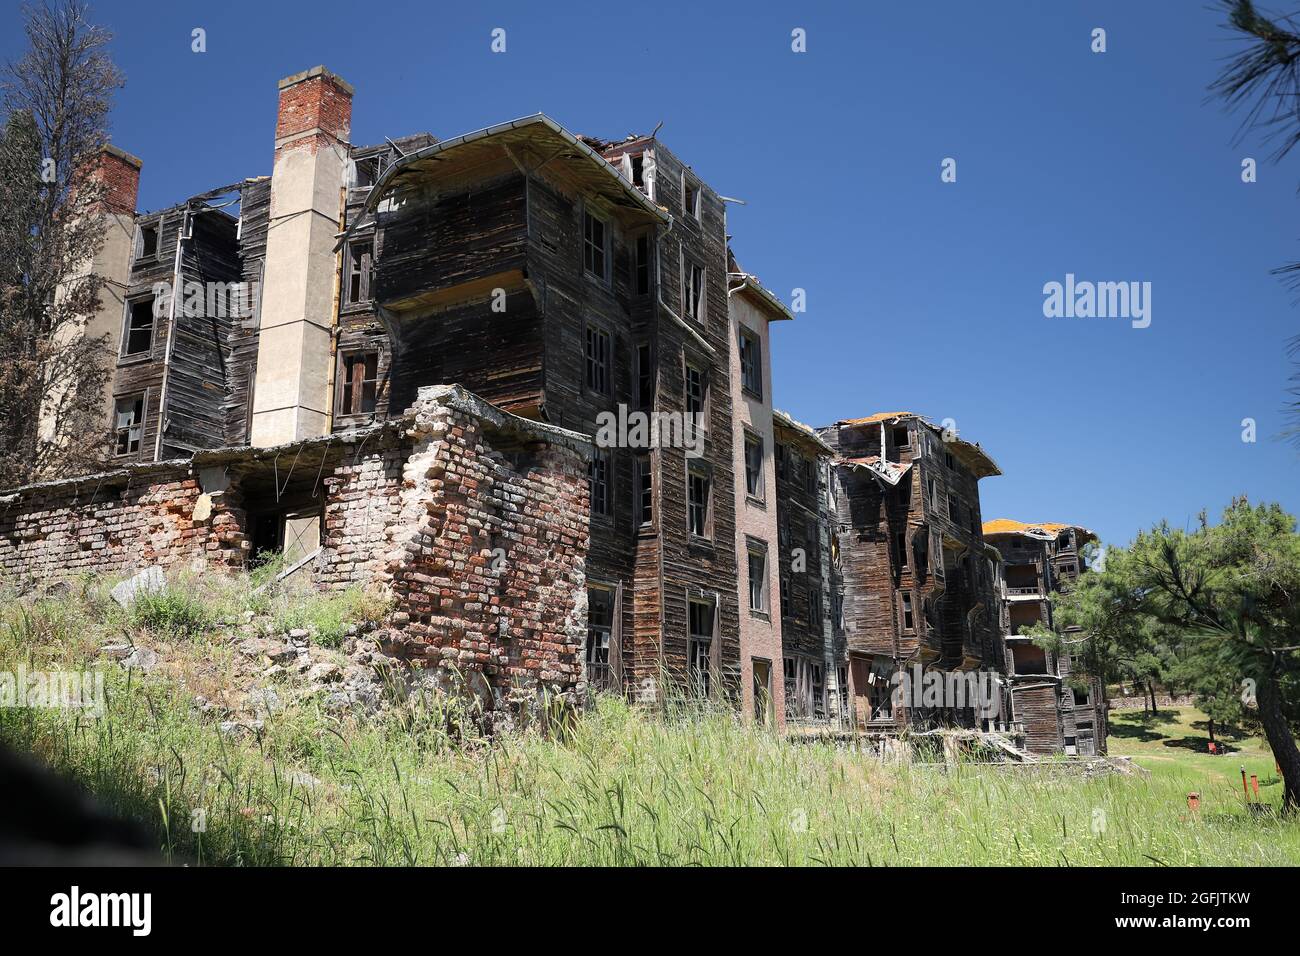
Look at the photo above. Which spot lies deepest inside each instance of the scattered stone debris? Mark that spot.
(149, 581)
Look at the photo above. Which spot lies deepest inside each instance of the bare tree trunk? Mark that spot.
(1151, 689)
(1280, 741)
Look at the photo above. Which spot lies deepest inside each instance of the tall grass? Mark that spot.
(619, 786)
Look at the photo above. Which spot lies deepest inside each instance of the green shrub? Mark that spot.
(175, 612)
(329, 614)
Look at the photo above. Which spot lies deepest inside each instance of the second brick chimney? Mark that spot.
(291, 392)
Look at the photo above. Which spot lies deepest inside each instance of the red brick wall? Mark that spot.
(318, 102)
(120, 175)
(487, 561)
(114, 527)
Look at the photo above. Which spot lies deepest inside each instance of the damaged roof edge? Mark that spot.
(384, 182)
(806, 432)
(453, 396)
(750, 282)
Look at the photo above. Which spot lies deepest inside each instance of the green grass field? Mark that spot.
(1173, 746)
(618, 787)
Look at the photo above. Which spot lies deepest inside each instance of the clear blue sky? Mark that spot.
(922, 295)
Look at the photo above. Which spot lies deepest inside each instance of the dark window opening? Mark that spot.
(690, 198)
(593, 245)
(693, 291)
(754, 466)
(638, 171)
(901, 438)
(908, 622)
(365, 172)
(643, 264)
(128, 424)
(360, 383)
(149, 241)
(814, 610)
(701, 646)
(645, 380)
(600, 629)
(139, 327)
(751, 363)
(644, 503)
(361, 257)
(900, 547)
(757, 578)
(597, 360)
(598, 478)
(696, 392)
(697, 497)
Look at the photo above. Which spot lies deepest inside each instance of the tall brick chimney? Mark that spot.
(119, 172)
(291, 393)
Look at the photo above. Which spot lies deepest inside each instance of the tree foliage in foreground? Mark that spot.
(1219, 605)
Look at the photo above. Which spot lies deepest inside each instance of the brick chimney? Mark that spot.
(119, 171)
(291, 393)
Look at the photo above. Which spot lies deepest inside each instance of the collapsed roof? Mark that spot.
(971, 454)
(1043, 530)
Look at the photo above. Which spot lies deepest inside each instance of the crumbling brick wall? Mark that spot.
(487, 559)
(115, 523)
(476, 522)
(362, 506)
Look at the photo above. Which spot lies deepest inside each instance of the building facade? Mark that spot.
(1060, 712)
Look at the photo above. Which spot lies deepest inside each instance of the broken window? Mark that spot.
(785, 596)
(598, 481)
(361, 257)
(697, 388)
(818, 682)
(1082, 698)
(757, 576)
(595, 238)
(701, 645)
(645, 376)
(644, 504)
(954, 509)
(600, 628)
(814, 610)
(128, 424)
(697, 500)
(901, 439)
(908, 622)
(138, 338)
(810, 477)
(900, 547)
(365, 172)
(753, 465)
(638, 171)
(751, 363)
(780, 460)
(643, 264)
(693, 291)
(597, 360)
(148, 247)
(690, 197)
(360, 383)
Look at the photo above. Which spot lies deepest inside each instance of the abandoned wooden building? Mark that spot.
(917, 578)
(1060, 712)
(586, 285)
